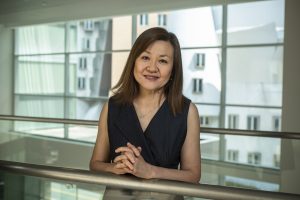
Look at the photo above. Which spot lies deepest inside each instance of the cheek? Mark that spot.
(167, 72)
(135, 73)
(137, 70)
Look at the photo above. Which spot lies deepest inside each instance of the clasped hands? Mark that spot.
(131, 161)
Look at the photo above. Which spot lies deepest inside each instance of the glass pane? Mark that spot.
(234, 181)
(90, 74)
(210, 146)
(122, 32)
(40, 39)
(259, 118)
(203, 64)
(83, 133)
(39, 106)
(194, 27)
(38, 128)
(256, 22)
(47, 143)
(254, 76)
(19, 187)
(90, 35)
(251, 150)
(85, 108)
(40, 74)
(209, 115)
(247, 162)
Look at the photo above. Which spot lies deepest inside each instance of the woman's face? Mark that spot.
(153, 68)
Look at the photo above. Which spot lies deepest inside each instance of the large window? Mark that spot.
(232, 68)
(232, 63)
(85, 59)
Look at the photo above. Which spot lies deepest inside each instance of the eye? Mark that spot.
(145, 58)
(163, 61)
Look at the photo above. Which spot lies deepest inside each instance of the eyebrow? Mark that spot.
(159, 56)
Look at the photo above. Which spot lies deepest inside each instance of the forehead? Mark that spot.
(161, 48)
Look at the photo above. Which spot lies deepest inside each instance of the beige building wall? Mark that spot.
(121, 37)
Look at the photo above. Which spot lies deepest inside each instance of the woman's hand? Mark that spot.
(132, 159)
(121, 168)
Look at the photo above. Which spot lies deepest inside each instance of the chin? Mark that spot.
(148, 88)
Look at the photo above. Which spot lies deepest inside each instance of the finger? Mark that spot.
(128, 164)
(125, 156)
(140, 149)
(124, 169)
(120, 165)
(134, 149)
(120, 158)
(130, 156)
(123, 149)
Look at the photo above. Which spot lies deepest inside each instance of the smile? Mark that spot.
(151, 78)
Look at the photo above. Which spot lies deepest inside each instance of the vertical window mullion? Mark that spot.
(66, 77)
(223, 67)
(222, 145)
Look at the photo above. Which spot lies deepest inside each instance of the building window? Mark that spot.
(82, 63)
(233, 155)
(254, 158)
(253, 122)
(197, 85)
(81, 83)
(85, 44)
(204, 120)
(144, 19)
(88, 25)
(200, 60)
(162, 19)
(276, 123)
(233, 121)
(276, 160)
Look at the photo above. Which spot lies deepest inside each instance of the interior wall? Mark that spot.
(6, 76)
(290, 149)
(6, 70)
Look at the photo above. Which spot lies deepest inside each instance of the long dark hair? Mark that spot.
(127, 87)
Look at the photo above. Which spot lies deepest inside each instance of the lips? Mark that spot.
(151, 77)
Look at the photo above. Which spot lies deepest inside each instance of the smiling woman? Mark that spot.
(148, 128)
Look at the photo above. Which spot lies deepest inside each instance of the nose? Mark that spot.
(152, 67)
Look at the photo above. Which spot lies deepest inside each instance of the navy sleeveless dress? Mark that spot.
(161, 141)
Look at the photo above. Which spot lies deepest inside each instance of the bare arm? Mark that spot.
(190, 156)
(100, 157)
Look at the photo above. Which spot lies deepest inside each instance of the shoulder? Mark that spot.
(186, 100)
(104, 108)
(193, 119)
(187, 103)
(112, 103)
(193, 110)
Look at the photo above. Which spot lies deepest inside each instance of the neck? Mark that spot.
(150, 98)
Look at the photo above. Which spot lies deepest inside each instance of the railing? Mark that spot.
(282, 135)
(133, 183)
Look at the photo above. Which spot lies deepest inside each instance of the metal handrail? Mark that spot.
(270, 134)
(133, 183)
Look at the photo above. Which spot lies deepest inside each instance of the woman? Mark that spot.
(148, 128)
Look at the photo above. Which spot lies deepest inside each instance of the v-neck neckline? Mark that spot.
(154, 116)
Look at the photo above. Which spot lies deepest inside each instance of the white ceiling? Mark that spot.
(25, 12)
